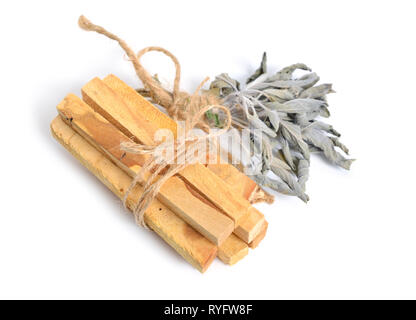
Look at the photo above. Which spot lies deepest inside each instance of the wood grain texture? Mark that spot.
(190, 244)
(217, 191)
(233, 202)
(243, 185)
(174, 193)
(254, 244)
(239, 182)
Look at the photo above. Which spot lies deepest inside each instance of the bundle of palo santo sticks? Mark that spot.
(203, 212)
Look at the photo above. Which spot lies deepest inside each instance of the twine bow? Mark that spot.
(181, 106)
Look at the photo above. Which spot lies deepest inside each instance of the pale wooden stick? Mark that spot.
(232, 249)
(235, 179)
(190, 244)
(130, 121)
(202, 179)
(174, 193)
(240, 183)
(244, 186)
(253, 244)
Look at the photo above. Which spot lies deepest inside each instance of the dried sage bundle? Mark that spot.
(287, 111)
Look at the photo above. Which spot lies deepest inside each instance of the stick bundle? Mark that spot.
(199, 211)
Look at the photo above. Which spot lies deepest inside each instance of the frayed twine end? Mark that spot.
(84, 23)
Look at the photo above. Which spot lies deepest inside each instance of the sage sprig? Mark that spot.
(287, 110)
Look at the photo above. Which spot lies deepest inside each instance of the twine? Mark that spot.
(180, 106)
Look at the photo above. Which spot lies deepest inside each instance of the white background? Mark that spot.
(64, 235)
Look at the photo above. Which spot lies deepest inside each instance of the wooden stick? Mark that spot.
(233, 177)
(240, 182)
(101, 134)
(128, 119)
(174, 193)
(231, 251)
(236, 180)
(190, 244)
(208, 184)
(253, 222)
